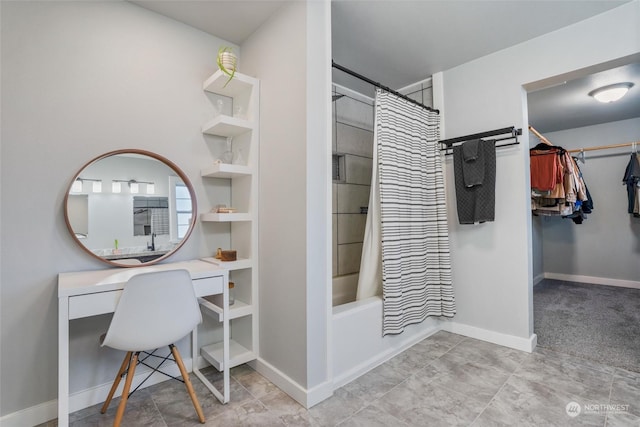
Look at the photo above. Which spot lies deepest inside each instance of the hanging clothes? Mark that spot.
(632, 181)
(557, 184)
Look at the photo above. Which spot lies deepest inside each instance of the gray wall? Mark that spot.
(607, 243)
(492, 262)
(353, 142)
(294, 193)
(80, 79)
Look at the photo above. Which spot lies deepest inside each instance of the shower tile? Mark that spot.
(351, 228)
(354, 112)
(424, 96)
(349, 258)
(334, 199)
(334, 244)
(334, 139)
(353, 140)
(358, 169)
(351, 197)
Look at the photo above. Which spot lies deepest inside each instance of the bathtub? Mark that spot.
(344, 289)
(358, 344)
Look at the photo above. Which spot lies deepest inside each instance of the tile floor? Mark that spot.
(445, 380)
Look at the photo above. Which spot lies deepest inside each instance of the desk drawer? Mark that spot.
(208, 286)
(93, 304)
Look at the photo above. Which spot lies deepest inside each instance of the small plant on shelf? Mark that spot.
(227, 62)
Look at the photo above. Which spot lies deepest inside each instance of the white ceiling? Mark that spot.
(399, 42)
(231, 20)
(568, 105)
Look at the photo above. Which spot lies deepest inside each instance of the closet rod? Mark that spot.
(540, 136)
(376, 84)
(604, 147)
(578, 150)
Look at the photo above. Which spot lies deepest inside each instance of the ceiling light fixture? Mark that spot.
(133, 187)
(611, 93)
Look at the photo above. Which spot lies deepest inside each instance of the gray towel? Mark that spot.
(470, 150)
(473, 163)
(477, 203)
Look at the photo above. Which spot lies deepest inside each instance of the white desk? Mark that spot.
(90, 293)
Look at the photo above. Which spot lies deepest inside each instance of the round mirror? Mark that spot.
(130, 208)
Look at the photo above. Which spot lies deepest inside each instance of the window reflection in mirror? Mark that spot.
(141, 210)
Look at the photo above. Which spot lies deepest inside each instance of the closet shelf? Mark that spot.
(238, 309)
(225, 217)
(224, 170)
(240, 84)
(227, 126)
(238, 354)
(239, 264)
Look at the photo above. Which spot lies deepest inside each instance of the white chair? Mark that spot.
(155, 310)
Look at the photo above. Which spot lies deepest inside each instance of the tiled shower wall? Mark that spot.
(353, 119)
(353, 142)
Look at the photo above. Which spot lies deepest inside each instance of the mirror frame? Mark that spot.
(155, 156)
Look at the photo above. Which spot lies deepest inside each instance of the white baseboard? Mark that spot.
(511, 341)
(46, 411)
(305, 397)
(31, 416)
(594, 280)
(539, 278)
(380, 358)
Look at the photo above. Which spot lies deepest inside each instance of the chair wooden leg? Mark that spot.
(116, 382)
(187, 382)
(125, 390)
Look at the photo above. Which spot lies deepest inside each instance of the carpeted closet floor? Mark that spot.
(600, 323)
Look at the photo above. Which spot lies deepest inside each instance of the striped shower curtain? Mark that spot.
(416, 266)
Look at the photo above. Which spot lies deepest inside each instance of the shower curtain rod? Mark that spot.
(376, 84)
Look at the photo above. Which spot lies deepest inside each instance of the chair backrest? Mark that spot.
(155, 309)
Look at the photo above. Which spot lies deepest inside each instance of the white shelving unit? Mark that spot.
(243, 182)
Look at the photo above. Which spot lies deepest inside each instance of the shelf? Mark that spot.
(240, 264)
(237, 354)
(225, 170)
(225, 217)
(227, 126)
(240, 83)
(238, 309)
